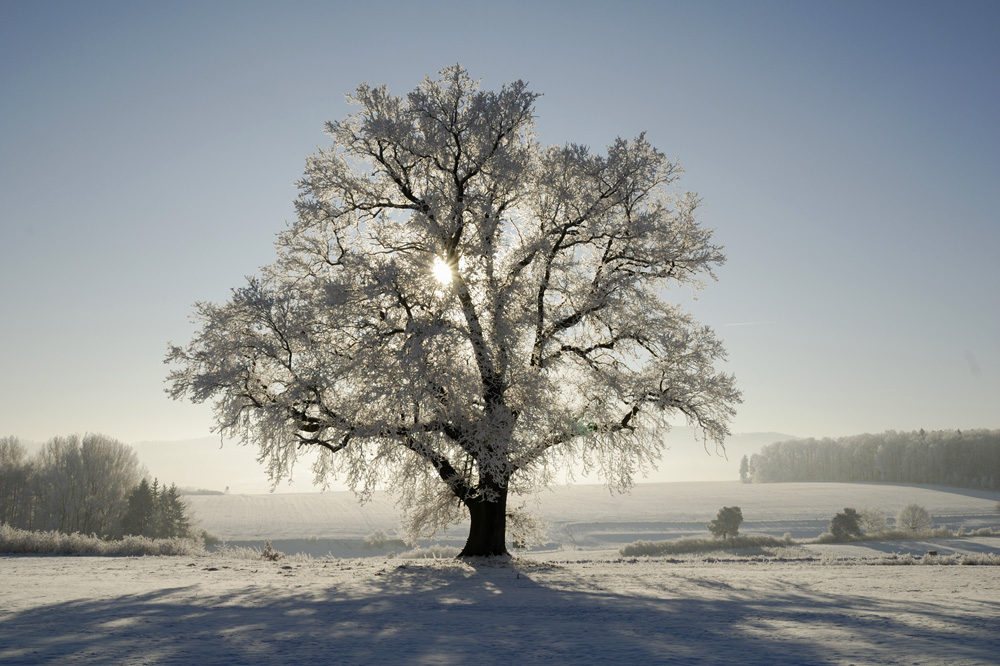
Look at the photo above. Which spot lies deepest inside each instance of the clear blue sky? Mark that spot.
(848, 154)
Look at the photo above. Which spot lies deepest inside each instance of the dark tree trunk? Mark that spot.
(488, 531)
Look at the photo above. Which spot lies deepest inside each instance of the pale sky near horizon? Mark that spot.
(848, 154)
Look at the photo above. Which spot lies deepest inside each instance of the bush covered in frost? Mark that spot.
(914, 518)
(873, 521)
(18, 541)
(700, 545)
(897, 535)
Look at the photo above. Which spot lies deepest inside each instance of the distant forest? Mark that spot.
(964, 459)
(93, 485)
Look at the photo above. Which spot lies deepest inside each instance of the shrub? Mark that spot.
(210, 540)
(727, 522)
(914, 518)
(376, 539)
(698, 545)
(18, 541)
(269, 553)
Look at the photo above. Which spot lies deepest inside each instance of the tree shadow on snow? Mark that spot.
(521, 613)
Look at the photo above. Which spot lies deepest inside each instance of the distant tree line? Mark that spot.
(965, 459)
(91, 484)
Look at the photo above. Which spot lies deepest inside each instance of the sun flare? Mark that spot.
(441, 271)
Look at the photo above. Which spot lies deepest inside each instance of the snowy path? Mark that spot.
(208, 610)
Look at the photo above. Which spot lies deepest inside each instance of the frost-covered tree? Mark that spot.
(81, 484)
(458, 312)
(873, 520)
(914, 518)
(171, 517)
(15, 474)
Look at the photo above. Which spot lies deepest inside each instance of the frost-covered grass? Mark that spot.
(905, 559)
(703, 545)
(17, 541)
(890, 535)
(435, 552)
(906, 535)
(269, 553)
(745, 544)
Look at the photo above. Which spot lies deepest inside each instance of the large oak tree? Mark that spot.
(458, 312)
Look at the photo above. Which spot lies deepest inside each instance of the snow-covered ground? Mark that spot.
(569, 603)
(182, 610)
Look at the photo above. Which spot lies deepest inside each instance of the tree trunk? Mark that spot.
(488, 531)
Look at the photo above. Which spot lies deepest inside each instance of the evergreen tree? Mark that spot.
(172, 520)
(727, 522)
(138, 518)
(846, 525)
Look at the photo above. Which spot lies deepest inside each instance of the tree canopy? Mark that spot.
(458, 311)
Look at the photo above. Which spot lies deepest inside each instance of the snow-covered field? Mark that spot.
(588, 518)
(566, 604)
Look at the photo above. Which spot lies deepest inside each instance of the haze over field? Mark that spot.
(235, 467)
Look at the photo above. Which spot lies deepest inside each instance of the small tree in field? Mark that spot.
(458, 311)
(873, 521)
(914, 518)
(845, 525)
(727, 522)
